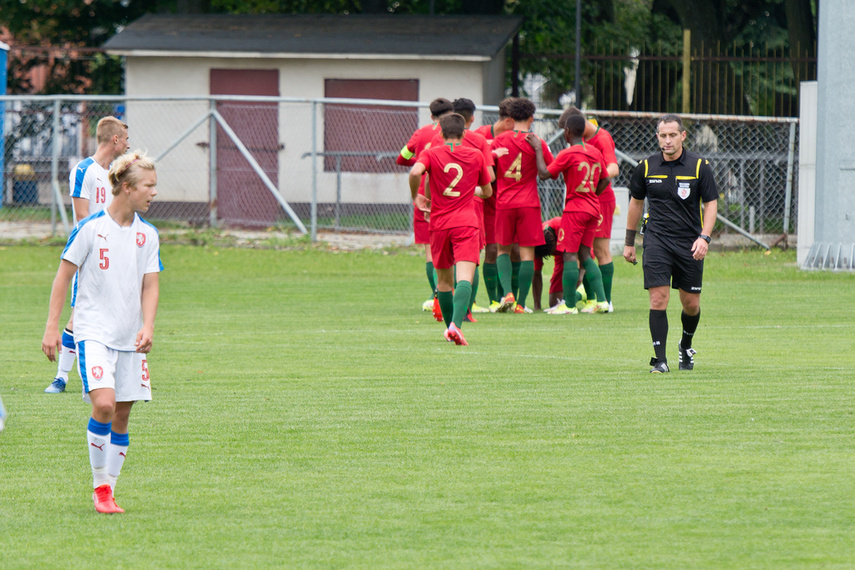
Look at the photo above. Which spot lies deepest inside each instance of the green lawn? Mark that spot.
(306, 413)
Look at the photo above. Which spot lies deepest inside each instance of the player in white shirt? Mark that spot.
(116, 255)
(90, 193)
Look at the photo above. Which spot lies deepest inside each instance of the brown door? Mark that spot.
(242, 198)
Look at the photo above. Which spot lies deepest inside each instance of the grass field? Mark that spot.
(307, 414)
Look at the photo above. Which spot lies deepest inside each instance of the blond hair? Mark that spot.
(126, 169)
(107, 128)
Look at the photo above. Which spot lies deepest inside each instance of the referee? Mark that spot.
(682, 204)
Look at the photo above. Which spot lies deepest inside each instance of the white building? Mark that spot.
(402, 58)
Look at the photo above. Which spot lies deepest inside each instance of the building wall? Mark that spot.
(183, 174)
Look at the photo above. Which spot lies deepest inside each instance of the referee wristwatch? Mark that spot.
(705, 238)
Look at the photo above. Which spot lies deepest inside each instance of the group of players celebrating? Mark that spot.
(476, 190)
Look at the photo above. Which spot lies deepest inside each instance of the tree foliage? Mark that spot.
(547, 38)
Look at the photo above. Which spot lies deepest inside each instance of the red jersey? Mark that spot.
(604, 142)
(474, 140)
(454, 174)
(583, 168)
(486, 131)
(418, 143)
(516, 170)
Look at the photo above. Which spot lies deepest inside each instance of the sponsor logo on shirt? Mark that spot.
(97, 372)
(654, 181)
(683, 190)
(140, 239)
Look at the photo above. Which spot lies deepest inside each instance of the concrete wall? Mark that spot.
(183, 175)
(807, 169)
(835, 156)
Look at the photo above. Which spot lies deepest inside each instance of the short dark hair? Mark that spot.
(505, 107)
(440, 106)
(562, 120)
(452, 125)
(464, 107)
(575, 125)
(548, 248)
(671, 118)
(521, 109)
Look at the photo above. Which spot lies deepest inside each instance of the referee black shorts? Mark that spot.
(670, 262)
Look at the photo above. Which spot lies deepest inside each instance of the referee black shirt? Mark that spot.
(675, 192)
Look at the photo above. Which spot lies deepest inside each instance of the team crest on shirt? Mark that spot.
(683, 190)
(140, 239)
(97, 372)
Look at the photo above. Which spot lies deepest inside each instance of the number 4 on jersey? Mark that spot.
(515, 169)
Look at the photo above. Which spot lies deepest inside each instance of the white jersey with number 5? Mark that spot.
(90, 182)
(112, 261)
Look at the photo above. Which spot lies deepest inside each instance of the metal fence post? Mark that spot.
(791, 154)
(314, 205)
(56, 201)
(212, 165)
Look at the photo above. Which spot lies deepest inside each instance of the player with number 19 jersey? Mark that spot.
(88, 180)
(111, 258)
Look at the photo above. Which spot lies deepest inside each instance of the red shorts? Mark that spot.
(607, 216)
(482, 238)
(522, 226)
(577, 228)
(490, 220)
(421, 229)
(556, 282)
(449, 246)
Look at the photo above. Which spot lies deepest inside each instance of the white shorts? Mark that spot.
(122, 371)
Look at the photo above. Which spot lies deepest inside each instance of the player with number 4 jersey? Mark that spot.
(518, 219)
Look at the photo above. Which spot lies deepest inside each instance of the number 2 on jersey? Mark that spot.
(450, 191)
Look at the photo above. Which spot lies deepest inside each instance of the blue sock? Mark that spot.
(98, 428)
(68, 339)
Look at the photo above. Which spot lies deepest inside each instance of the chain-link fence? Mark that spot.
(260, 162)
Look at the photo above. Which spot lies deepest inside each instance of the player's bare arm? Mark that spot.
(484, 191)
(701, 247)
(59, 290)
(415, 178)
(633, 215)
(150, 295)
(601, 186)
(536, 144)
(81, 208)
(613, 170)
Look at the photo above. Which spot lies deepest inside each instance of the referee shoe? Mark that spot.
(659, 366)
(687, 361)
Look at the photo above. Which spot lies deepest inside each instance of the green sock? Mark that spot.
(431, 275)
(571, 275)
(526, 274)
(462, 294)
(491, 281)
(503, 264)
(592, 271)
(589, 289)
(608, 272)
(475, 281)
(515, 278)
(446, 304)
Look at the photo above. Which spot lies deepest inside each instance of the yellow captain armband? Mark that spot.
(407, 153)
